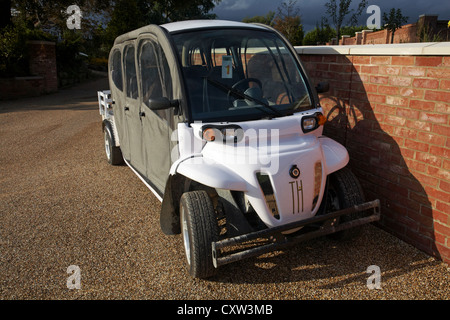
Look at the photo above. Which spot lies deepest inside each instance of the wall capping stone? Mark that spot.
(402, 49)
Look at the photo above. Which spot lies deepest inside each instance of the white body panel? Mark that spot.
(106, 111)
(270, 147)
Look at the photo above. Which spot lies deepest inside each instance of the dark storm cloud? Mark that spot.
(312, 11)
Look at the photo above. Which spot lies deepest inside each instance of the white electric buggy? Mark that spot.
(221, 122)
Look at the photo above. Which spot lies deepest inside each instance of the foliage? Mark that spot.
(44, 13)
(14, 48)
(338, 11)
(70, 63)
(288, 22)
(13, 52)
(125, 17)
(132, 14)
(320, 35)
(394, 20)
(267, 19)
(100, 64)
(425, 33)
(291, 28)
(47, 20)
(163, 11)
(351, 30)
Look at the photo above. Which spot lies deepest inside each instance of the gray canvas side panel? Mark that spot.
(145, 134)
(159, 77)
(116, 75)
(132, 104)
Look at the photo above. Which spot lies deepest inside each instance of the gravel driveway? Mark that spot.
(62, 205)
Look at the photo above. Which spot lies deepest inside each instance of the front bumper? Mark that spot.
(267, 240)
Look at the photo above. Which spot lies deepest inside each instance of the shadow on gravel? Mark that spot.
(78, 97)
(329, 263)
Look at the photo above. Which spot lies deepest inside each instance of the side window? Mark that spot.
(155, 73)
(130, 73)
(196, 58)
(116, 70)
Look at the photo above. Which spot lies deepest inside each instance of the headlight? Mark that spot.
(209, 134)
(310, 123)
(227, 134)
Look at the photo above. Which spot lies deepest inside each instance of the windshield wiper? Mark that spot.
(241, 94)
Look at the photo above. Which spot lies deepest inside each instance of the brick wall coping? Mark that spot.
(401, 49)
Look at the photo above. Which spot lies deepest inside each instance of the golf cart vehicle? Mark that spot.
(221, 122)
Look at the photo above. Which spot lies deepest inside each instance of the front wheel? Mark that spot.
(344, 191)
(199, 229)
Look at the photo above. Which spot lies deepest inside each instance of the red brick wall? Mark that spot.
(406, 34)
(43, 63)
(43, 79)
(427, 28)
(393, 115)
(14, 88)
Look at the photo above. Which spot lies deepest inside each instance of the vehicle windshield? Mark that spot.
(238, 75)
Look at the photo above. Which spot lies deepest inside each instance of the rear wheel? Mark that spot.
(113, 153)
(199, 229)
(344, 191)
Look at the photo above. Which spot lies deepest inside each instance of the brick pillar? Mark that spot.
(388, 36)
(364, 36)
(344, 39)
(43, 63)
(427, 26)
(428, 20)
(359, 37)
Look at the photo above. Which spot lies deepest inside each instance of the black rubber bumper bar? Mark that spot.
(275, 242)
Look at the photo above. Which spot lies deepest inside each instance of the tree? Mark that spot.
(163, 11)
(351, 30)
(393, 21)
(51, 16)
(319, 35)
(127, 15)
(338, 11)
(267, 19)
(288, 22)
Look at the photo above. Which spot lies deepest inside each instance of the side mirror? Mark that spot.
(162, 103)
(322, 87)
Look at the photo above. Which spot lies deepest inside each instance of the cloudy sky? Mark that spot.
(312, 10)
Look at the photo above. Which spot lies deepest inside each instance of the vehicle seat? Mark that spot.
(262, 67)
(204, 95)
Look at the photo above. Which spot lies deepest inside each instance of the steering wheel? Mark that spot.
(239, 83)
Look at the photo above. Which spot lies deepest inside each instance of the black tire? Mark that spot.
(199, 229)
(344, 191)
(113, 153)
